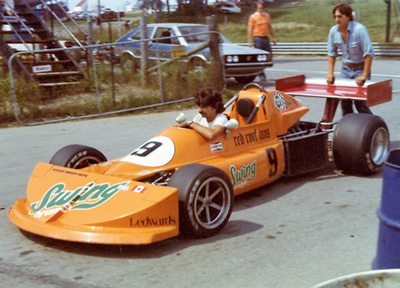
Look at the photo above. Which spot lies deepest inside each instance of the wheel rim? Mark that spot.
(379, 146)
(212, 203)
(128, 63)
(85, 162)
(198, 67)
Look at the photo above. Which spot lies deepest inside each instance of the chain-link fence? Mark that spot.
(103, 86)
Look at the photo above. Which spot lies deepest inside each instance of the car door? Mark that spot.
(135, 46)
(161, 44)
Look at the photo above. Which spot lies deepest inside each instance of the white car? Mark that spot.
(228, 7)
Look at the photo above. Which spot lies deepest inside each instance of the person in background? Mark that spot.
(352, 39)
(210, 121)
(127, 24)
(258, 31)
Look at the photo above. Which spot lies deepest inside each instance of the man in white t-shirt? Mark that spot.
(210, 121)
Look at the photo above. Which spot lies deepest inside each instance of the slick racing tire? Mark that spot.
(77, 157)
(360, 144)
(205, 199)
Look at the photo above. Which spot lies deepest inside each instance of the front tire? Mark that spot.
(205, 199)
(129, 63)
(77, 157)
(360, 144)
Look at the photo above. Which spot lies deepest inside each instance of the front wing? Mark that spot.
(78, 206)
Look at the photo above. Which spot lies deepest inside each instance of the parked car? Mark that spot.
(242, 63)
(110, 15)
(246, 3)
(228, 7)
(84, 15)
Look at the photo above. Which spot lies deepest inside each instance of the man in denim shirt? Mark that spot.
(352, 39)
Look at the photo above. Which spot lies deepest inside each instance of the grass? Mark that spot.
(310, 21)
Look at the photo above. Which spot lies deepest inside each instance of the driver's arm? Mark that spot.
(206, 132)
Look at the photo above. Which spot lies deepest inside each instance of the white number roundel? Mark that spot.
(156, 152)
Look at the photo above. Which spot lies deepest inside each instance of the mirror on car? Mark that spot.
(231, 124)
(181, 117)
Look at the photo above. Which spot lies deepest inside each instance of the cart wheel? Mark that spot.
(205, 199)
(360, 144)
(77, 157)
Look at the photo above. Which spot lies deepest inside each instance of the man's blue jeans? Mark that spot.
(263, 44)
(347, 105)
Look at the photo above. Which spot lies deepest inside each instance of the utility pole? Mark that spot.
(388, 3)
(144, 48)
(216, 63)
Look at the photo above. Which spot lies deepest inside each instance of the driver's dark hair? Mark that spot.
(209, 97)
(345, 9)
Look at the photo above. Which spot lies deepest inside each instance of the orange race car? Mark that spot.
(163, 188)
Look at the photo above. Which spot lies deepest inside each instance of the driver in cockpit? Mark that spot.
(210, 121)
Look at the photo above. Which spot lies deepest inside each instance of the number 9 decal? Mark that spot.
(147, 148)
(273, 161)
(154, 153)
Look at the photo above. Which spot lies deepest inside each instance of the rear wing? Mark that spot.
(373, 93)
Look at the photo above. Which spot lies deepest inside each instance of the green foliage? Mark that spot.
(6, 108)
(310, 21)
(27, 98)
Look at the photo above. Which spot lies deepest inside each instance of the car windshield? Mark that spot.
(190, 39)
(138, 35)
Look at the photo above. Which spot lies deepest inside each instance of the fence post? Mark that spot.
(90, 41)
(388, 3)
(216, 65)
(144, 48)
(111, 63)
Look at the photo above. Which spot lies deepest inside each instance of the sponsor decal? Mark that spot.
(74, 173)
(279, 101)
(153, 222)
(154, 153)
(123, 187)
(86, 197)
(252, 137)
(240, 177)
(215, 147)
(138, 189)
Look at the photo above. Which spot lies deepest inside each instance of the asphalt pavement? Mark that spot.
(294, 233)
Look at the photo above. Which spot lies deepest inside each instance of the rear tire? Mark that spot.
(205, 199)
(77, 157)
(197, 66)
(360, 144)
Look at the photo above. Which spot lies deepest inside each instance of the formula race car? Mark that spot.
(160, 189)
